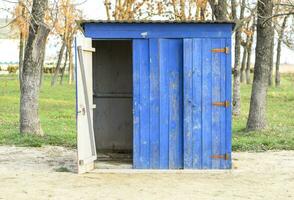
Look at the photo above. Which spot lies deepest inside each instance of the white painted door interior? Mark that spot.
(85, 133)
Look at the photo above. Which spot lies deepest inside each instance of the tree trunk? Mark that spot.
(21, 55)
(64, 67)
(21, 51)
(219, 9)
(248, 64)
(271, 66)
(257, 112)
(71, 67)
(243, 65)
(279, 50)
(236, 83)
(57, 69)
(33, 60)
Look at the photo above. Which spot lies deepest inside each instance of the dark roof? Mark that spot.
(81, 22)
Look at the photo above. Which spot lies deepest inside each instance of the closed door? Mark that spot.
(207, 110)
(181, 103)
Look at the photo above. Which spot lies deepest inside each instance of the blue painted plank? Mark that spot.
(175, 62)
(228, 163)
(164, 104)
(206, 105)
(121, 30)
(141, 104)
(197, 103)
(154, 105)
(136, 103)
(188, 97)
(223, 110)
(145, 105)
(216, 110)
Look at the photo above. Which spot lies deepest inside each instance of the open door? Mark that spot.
(84, 88)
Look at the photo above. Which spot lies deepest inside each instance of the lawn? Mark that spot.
(57, 111)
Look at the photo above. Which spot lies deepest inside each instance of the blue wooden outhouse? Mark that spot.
(161, 90)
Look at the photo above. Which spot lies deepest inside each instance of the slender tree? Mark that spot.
(236, 83)
(33, 61)
(58, 65)
(257, 112)
(249, 52)
(271, 65)
(21, 17)
(64, 67)
(279, 50)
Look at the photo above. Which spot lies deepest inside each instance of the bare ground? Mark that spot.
(31, 173)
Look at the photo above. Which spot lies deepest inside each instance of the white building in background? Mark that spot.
(9, 46)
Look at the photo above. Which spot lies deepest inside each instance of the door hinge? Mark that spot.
(224, 104)
(225, 50)
(225, 156)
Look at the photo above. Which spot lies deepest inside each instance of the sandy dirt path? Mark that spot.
(30, 173)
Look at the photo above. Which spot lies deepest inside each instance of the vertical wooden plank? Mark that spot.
(141, 103)
(229, 110)
(136, 103)
(164, 102)
(154, 105)
(197, 103)
(145, 105)
(216, 110)
(206, 105)
(223, 110)
(175, 63)
(188, 96)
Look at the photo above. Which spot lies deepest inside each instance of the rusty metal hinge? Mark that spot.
(225, 50)
(224, 104)
(225, 156)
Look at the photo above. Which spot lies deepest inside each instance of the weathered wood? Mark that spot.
(84, 108)
(154, 105)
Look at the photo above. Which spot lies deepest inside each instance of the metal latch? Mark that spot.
(224, 104)
(225, 156)
(82, 111)
(225, 50)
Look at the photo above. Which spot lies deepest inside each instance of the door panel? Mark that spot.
(158, 139)
(206, 130)
(85, 133)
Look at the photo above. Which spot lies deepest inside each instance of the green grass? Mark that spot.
(57, 111)
(280, 115)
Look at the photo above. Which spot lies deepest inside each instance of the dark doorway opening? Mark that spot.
(113, 97)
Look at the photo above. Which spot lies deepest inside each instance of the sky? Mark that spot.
(92, 9)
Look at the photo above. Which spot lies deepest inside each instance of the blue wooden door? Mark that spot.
(207, 121)
(157, 103)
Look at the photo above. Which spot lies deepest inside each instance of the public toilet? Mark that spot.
(157, 91)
